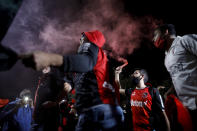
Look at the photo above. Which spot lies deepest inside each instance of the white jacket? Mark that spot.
(181, 63)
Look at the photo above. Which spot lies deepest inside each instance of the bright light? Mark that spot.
(26, 98)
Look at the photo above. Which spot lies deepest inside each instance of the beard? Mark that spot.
(136, 80)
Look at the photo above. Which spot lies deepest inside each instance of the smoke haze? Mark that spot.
(55, 26)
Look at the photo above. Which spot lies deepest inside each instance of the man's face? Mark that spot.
(136, 73)
(25, 99)
(81, 41)
(158, 39)
(157, 34)
(137, 77)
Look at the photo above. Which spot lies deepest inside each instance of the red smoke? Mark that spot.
(123, 32)
(57, 25)
(119, 59)
(124, 61)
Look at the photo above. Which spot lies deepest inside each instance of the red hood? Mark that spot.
(96, 37)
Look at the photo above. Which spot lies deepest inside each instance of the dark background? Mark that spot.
(181, 14)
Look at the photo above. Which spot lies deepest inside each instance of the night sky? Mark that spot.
(182, 15)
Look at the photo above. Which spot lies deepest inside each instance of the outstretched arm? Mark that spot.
(39, 60)
(83, 62)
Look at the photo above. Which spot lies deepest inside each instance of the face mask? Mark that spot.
(159, 43)
(136, 80)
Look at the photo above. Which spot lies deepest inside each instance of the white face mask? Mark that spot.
(81, 41)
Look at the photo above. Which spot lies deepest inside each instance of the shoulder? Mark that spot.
(153, 91)
(128, 91)
(188, 38)
(150, 87)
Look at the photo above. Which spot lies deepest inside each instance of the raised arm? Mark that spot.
(117, 80)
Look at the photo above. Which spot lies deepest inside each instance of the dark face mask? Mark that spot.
(136, 80)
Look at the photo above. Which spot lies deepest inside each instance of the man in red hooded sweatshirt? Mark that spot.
(96, 100)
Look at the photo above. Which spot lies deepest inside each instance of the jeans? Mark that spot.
(103, 117)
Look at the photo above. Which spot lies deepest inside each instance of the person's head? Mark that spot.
(95, 37)
(139, 76)
(162, 34)
(83, 39)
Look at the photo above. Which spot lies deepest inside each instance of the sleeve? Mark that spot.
(158, 100)
(82, 62)
(189, 42)
(8, 109)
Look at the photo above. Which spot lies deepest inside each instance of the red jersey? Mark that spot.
(141, 102)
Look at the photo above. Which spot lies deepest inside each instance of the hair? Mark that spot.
(169, 27)
(143, 72)
(25, 92)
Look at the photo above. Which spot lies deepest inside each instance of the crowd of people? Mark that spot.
(77, 92)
